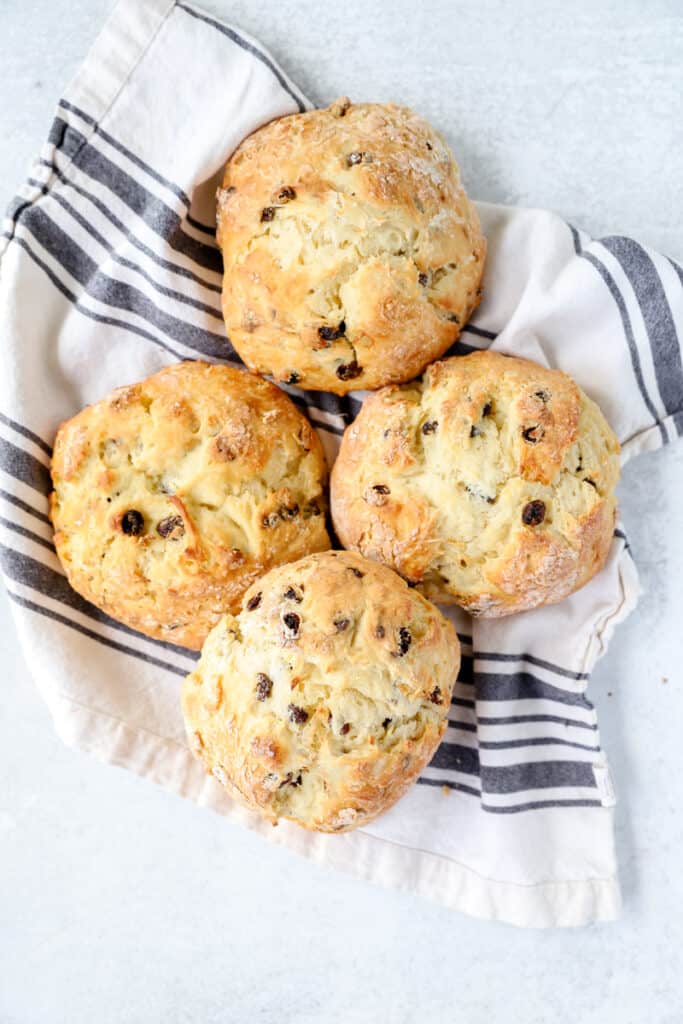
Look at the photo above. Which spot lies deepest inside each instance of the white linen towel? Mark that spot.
(109, 271)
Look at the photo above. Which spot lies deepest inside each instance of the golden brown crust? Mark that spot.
(490, 483)
(172, 495)
(349, 221)
(325, 697)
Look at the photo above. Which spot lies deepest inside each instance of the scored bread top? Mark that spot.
(172, 495)
(324, 698)
(488, 483)
(352, 254)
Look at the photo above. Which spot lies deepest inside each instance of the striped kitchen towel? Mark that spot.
(109, 271)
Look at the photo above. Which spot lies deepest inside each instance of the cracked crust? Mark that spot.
(172, 495)
(327, 718)
(352, 254)
(489, 483)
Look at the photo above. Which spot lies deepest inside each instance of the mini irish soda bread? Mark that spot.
(171, 496)
(325, 697)
(489, 483)
(352, 253)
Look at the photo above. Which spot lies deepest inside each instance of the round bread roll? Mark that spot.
(352, 254)
(172, 495)
(489, 483)
(325, 697)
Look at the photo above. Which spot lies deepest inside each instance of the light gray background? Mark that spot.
(121, 903)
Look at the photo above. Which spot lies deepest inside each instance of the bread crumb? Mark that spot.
(445, 790)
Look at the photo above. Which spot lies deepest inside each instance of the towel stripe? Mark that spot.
(657, 317)
(523, 686)
(106, 211)
(29, 534)
(25, 507)
(537, 805)
(23, 466)
(149, 207)
(627, 327)
(182, 297)
(321, 425)
(117, 294)
(21, 429)
(520, 719)
(530, 659)
(105, 641)
(444, 783)
(44, 580)
(536, 741)
(97, 317)
(514, 778)
(170, 185)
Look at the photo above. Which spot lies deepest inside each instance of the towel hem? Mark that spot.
(118, 49)
(451, 884)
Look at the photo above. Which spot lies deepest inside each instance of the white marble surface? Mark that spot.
(119, 902)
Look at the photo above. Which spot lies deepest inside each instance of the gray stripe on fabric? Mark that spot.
(199, 226)
(449, 784)
(9, 524)
(244, 44)
(309, 406)
(66, 141)
(344, 406)
(535, 741)
(466, 673)
(459, 348)
(118, 294)
(479, 332)
(522, 719)
(24, 467)
(626, 325)
(514, 778)
(97, 317)
(170, 293)
(538, 805)
(21, 429)
(15, 209)
(321, 425)
(152, 210)
(460, 702)
(77, 110)
(170, 185)
(657, 316)
(622, 536)
(531, 660)
(537, 775)
(456, 758)
(40, 577)
(576, 240)
(532, 805)
(105, 641)
(455, 723)
(120, 226)
(524, 686)
(25, 507)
